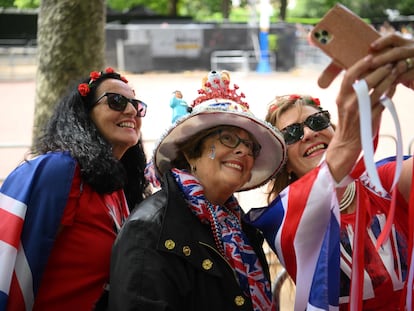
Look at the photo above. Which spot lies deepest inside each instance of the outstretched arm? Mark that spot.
(346, 140)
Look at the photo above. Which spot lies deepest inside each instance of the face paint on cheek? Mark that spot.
(212, 154)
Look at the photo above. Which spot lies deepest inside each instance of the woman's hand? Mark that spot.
(395, 49)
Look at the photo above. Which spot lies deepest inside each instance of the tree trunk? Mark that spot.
(283, 7)
(225, 7)
(172, 8)
(71, 43)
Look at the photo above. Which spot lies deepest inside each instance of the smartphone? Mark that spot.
(343, 36)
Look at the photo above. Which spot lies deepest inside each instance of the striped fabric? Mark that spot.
(302, 227)
(27, 193)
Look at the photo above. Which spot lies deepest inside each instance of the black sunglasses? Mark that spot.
(316, 122)
(231, 140)
(119, 102)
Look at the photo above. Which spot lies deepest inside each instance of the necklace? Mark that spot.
(213, 214)
(214, 224)
(347, 197)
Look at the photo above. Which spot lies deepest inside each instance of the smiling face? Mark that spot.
(306, 153)
(223, 170)
(120, 128)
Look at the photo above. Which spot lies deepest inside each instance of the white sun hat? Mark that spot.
(221, 106)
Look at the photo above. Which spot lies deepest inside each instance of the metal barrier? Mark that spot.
(410, 146)
(229, 57)
(12, 146)
(17, 62)
(277, 287)
(14, 54)
(245, 59)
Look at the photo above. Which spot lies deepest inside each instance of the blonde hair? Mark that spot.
(276, 108)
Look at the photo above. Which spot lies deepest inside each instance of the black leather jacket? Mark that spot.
(165, 259)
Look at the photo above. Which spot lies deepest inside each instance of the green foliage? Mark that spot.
(27, 4)
(237, 15)
(6, 3)
(201, 10)
(273, 42)
(406, 7)
(211, 10)
(370, 9)
(302, 20)
(309, 9)
(20, 4)
(122, 5)
(158, 6)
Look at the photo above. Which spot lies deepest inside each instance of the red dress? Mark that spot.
(78, 267)
(385, 270)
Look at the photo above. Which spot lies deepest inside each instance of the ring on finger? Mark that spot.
(409, 63)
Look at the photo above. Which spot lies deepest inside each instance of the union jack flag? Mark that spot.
(27, 194)
(309, 253)
(302, 226)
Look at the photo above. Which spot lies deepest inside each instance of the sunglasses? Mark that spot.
(316, 122)
(119, 102)
(231, 140)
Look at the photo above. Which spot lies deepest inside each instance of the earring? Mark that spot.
(193, 168)
(291, 177)
(212, 154)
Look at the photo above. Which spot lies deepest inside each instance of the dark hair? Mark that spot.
(71, 129)
(192, 146)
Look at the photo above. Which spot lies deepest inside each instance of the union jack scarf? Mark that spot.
(230, 239)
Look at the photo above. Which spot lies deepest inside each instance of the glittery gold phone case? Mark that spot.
(343, 36)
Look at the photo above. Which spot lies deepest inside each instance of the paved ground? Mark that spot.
(17, 89)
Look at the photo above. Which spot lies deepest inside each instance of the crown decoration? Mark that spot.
(219, 89)
(85, 88)
(279, 100)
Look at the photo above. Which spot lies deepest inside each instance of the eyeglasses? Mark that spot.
(231, 140)
(316, 122)
(119, 102)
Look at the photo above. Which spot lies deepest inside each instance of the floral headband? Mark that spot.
(85, 88)
(276, 103)
(217, 90)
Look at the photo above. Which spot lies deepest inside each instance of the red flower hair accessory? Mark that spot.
(85, 88)
(294, 97)
(316, 101)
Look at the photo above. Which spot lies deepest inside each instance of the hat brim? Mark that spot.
(270, 160)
